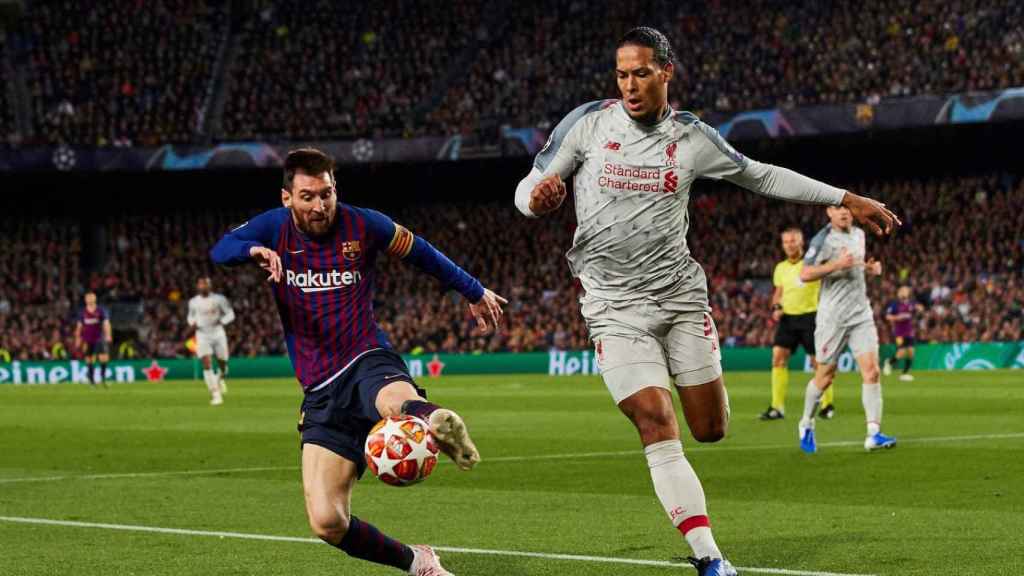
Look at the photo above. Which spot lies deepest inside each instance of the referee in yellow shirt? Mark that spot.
(794, 305)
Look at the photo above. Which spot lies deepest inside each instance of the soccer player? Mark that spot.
(794, 303)
(93, 338)
(646, 302)
(836, 256)
(321, 254)
(208, 314)
(900, 315)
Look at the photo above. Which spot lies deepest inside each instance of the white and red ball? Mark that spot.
(400, 450)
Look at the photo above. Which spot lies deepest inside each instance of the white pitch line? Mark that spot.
(453, 550)
(574, 456)
(146, 474)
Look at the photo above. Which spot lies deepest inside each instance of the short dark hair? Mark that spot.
(650, 38)
(308, 161)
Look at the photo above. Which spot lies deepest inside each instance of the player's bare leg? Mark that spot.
(448, 428)
(104, 360)
(222, 373)
(652, 412)
(823, 376)
(871, 396)
(706, 408)
(210, 378)
(327, 483)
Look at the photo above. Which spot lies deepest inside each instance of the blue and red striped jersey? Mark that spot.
(325, 296)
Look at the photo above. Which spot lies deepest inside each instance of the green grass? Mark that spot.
(925, 508)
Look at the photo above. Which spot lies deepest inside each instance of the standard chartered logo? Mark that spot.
(310, 281)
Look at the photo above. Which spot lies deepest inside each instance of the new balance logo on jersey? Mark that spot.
(612, 146)
(671, 181)
(310, 281)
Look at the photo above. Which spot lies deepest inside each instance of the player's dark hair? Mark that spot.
(309, 161)
(650, 38)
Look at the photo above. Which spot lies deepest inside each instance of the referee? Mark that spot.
(794, 305)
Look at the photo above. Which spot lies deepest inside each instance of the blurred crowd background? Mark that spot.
(966, 271)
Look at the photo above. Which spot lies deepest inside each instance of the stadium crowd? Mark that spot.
(120, 73)
(110, 73)
(550, 57)
(967, 272)
(342, 70)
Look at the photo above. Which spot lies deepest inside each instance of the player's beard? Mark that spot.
(315, 227)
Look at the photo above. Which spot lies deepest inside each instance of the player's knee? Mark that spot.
(328, 525)
(656, 428)
(710, 430)
(871, 374)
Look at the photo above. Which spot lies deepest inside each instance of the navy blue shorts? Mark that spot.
(339, 416)
(904, 342)
(97, 348)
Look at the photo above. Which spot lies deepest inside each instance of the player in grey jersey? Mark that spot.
(836, 255)
(646, 305)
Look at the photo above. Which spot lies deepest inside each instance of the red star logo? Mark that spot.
(435, 366)
(155, 372)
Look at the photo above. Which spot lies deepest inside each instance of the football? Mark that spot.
(401, 451)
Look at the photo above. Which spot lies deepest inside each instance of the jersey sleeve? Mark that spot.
(818, 251)
(398, 241)
(192, 319)
(233, 248)
(227, 312)
(563, 152)
(717, 159)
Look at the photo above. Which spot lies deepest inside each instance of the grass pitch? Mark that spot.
(562, 474)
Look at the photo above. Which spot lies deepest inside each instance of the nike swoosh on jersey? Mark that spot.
(296, 251)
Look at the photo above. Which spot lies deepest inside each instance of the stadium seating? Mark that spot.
(119, 73)
(330, 70)
(342, 70)
(969, 295)
(7, 128)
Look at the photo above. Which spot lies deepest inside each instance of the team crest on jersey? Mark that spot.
(351, 249)
(670, 154)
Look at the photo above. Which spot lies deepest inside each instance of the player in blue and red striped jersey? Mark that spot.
(900, 315)
(93, 337)
(320, 254)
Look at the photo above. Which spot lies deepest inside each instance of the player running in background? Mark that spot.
(320, 254)
(900, 315)
(836, 257)
(794, 304)
(208, 313)
(93, 336)
(633, 161)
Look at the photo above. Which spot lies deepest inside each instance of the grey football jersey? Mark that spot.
(632, 185)
(843, 300)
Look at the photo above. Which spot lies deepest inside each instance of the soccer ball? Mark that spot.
(401, 451)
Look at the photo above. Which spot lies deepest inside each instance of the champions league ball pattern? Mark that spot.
(401, 451)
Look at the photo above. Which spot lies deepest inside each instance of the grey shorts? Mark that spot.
(830, 340)
(646, 343)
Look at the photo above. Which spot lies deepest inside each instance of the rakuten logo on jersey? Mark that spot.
(310, 281)
(637, 179)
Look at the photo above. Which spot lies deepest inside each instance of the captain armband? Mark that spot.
(401, 242)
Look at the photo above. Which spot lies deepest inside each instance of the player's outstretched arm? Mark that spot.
(249, 242)
(871, 213)
(489, 306)
(537, 195)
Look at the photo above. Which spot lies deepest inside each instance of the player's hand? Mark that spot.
(845, 261)
(873, 267)
(547, 195)
(268, 260)
(488, 306)
(871, 213)
(777, 315)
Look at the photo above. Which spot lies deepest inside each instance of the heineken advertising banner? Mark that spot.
(977, 356)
